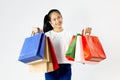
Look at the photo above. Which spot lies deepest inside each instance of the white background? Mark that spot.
(17, 17)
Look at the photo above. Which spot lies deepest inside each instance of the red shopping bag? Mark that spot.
(53, 55)
(92, 48)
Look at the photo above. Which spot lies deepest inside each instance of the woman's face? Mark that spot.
(56, 20)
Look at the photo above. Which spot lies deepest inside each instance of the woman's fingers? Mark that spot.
(37, 30)
(88, 30)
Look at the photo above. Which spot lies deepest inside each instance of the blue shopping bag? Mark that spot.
(33, 48)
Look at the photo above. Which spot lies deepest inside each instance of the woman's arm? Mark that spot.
(38, 30)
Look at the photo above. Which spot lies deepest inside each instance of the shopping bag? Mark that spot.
(92, 48)
(46, 54)
(53, 55)
(86, 49)
(43, 65)
(79, 54)
(70, 54)
(48, 64)
(33, 48)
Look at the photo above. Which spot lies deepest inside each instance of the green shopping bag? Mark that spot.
(70, 54)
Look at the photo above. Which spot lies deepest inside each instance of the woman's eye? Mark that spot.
(59, 17)
(54, 19)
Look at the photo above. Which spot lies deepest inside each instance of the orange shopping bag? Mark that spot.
(92, 48)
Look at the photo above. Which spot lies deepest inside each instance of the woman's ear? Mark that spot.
(50, 22)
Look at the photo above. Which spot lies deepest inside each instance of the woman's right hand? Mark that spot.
(37, 30)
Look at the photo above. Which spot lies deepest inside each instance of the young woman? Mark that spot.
(60, 38)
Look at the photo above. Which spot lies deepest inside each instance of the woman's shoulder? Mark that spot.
(48, 33)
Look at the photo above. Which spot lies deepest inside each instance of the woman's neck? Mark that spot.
(58, 29)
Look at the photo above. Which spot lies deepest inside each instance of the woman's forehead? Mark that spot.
(54, 14)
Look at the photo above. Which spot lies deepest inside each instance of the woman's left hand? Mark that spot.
(88, 30)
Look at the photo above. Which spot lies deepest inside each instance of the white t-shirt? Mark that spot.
(60, 41)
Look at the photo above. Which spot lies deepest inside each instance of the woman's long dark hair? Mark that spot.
(47, 26)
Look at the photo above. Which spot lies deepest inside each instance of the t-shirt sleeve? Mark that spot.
(47, 34)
